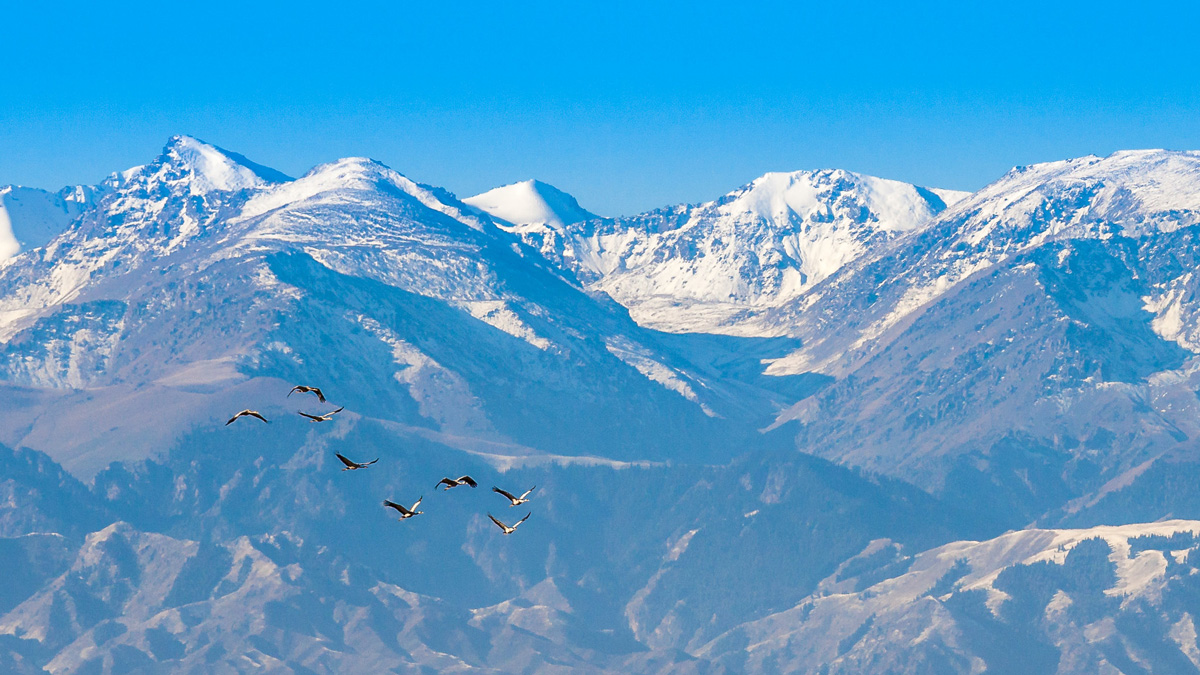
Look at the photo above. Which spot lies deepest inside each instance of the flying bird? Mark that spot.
(506, 528)
(245, 413)
(516, 501)
(350, 466)
(322, 418)
(450, 482)
(405, 512)
(305, 390)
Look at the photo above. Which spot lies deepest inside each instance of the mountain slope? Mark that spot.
(1106, 599)
(1025, 348)
(1024, 355)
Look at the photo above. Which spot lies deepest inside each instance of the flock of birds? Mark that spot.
(405, 512)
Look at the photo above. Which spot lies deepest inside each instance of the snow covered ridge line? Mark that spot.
(883, 607)
(711, 267)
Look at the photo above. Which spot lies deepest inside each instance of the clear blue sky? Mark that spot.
(626, 105)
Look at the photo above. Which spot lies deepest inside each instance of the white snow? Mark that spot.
(497, 314)
(30, 218)
(641, 359)
(210, 168)
(441, 395)
(715, 266)
(531, 202)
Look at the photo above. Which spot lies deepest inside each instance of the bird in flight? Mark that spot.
(451, 482)
(506, 528)
(245, 413)
(322, 418)
(404, 512)
(516, 501)
(350, 466)
(305, 390)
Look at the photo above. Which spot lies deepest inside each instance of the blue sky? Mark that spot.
(627, 105)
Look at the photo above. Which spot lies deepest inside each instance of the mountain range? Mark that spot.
(824, 423)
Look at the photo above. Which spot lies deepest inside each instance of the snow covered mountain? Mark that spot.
(202, 279)
(1028, 346)
(1023, 356)
(715, 266)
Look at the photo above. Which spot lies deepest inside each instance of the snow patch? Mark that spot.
(497, 314)
(641, 359)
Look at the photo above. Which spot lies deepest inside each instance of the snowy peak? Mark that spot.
(531, 202)
(360, 179)
(784, 199)
(207, 167)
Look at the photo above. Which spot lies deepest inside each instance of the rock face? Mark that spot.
(695, 392)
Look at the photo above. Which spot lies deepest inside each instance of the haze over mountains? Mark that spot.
(771, 432)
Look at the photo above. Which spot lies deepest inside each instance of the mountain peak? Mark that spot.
(776, 196)
(531, 202)
(213, 168)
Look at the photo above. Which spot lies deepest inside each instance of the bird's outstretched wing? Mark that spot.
(445, 481)
(499, 524)
(254, 413)
(505, 493)
(370, 462)
(415, 504)
(296, 389)
(468, 480)
(528, 491)
(393, 505)
(315, 418)
(522, 520)
(348, 463)
(331, 414)
(317, 391)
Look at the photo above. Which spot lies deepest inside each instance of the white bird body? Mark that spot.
(455, 482)
(352, 465)
(516, 501)
(405, 512)
(308, 390)
(506, 528)
(322, 418)
(245, 413)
